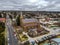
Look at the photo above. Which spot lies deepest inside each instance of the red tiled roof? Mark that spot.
(2, 19)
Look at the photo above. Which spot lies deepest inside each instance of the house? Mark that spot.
(2, 19)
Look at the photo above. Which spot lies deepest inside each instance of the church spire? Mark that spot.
(21, 16)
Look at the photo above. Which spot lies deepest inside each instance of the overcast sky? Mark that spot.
(30, 5)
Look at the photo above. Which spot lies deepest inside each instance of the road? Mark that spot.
(12, 40)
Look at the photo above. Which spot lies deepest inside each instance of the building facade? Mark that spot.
(30, 23)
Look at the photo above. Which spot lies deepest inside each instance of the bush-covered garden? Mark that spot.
(2, 33)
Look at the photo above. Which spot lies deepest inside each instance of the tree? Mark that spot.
(2, 39)
(0, 16)
(18, 20)
(10, 16)
(2, 29)
(27, 43)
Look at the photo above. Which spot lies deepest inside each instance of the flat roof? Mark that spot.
(56, 40)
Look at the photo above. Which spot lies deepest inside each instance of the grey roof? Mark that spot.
(56, 40)
(29, 20)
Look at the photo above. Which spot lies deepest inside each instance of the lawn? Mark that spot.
(23, 37)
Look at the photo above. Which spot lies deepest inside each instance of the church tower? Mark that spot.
(21, 18)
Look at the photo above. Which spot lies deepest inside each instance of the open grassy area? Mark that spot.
(23, 37)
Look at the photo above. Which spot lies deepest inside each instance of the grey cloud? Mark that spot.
(25, 5)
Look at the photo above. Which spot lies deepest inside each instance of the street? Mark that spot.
(12, 40)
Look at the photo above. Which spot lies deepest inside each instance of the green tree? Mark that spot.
(10, 16)
(27, 43)
(18, 20)
(2, 29)
(2, 39)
